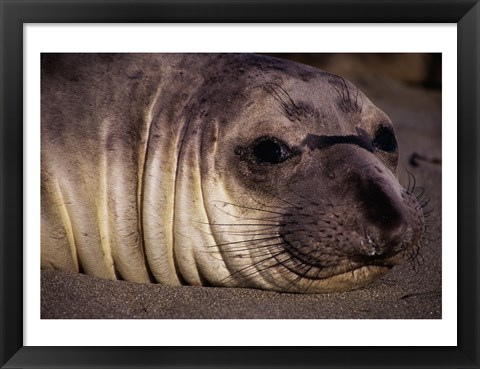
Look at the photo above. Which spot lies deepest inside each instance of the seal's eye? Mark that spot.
(270, 150)
(385, 139)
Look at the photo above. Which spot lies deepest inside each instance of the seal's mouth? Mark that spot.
(306, 265)
(355, 278)
(363, 271)
(385, 260)
(344, 281)
(344, 272)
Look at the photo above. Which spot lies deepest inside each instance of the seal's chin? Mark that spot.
(351, 280)
(363, 274)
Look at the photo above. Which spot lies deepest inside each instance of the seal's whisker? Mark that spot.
(325, 197)
(250, 233)
(425, 203)
(359, 105)
(255, 251)
(310, 283)
(409, 180)
(299, 265)
(425, 243)
(422, 192)
(282, 97)
(427, 223)
(251, 251)
(317, 276)
(264, 218)
(312, 280)
(241, 254)
(243, 241)
(414, 257)
(263, 205)
(425, 238)
(285, 201)
(299, 278)
(290, 269)
(256, 209)
(287, 94)
(252, 243)
(274, 230)
(260, 252)
(345, 94)
(273, 225)
(307, 200)
(272, 266)
(414, 183)
(252, 265)
(428, 213)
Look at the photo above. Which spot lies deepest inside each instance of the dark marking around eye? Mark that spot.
(385, 139)
(313, 141)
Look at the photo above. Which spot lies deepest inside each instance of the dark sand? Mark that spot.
(403, 294)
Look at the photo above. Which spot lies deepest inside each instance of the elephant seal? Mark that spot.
(218, 170)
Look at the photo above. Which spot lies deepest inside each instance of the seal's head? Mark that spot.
(302, 192)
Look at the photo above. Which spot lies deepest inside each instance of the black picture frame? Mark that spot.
(465, 13)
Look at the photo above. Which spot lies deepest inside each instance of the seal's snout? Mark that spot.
(382, 206)
(390, 224)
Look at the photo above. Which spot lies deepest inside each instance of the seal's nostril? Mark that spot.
(383, 209)
(383, 242)
(381, 204)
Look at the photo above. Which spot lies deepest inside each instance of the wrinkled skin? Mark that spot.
(224, 170)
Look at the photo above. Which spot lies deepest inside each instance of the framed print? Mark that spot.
(285, 300)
